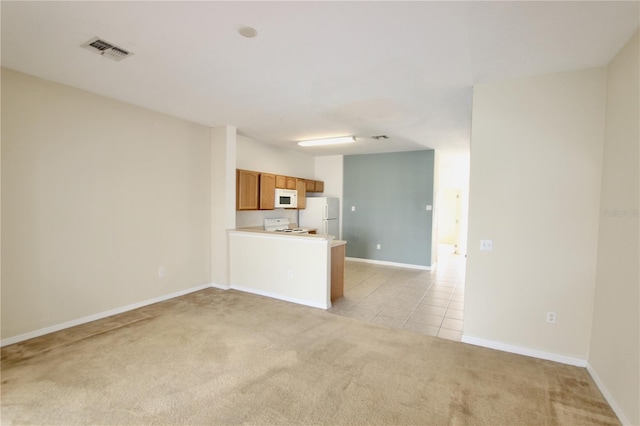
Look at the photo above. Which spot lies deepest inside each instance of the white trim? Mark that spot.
(280, 297)
(94, 317)
(578, 362)
(607, 395)
(221, 286)
(384, 262)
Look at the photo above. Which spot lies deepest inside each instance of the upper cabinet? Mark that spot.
(310, 185)
(267, 191)
(247, 183)
(315, 185)
(256, 190)
(285, 182)
(302, 193)
(291, 182)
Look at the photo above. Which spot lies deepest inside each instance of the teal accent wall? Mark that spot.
(390, 193)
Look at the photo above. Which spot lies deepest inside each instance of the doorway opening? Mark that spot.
(452, 194)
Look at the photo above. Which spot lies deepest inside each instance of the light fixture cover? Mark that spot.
(328, 141)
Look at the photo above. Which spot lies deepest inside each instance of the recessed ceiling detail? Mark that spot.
(106, 49)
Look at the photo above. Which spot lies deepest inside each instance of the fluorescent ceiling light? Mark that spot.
(329, 141)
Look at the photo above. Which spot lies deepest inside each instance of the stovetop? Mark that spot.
(291, 230)
(280, 224)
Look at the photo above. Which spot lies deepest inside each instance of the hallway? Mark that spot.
(428, 302)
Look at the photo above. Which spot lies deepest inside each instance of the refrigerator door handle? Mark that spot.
(326, 211)
(326, 227)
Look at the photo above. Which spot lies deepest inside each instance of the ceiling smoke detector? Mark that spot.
(106, 49)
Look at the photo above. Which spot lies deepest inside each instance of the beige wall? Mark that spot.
(329, 169)
(223, 200)
(260, 156)
(536, 152)
(96, 196)
(615, 342)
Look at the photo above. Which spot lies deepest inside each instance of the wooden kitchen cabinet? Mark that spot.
(314, 185)
(247, 184)
(301, 186)
(256, 190)
(310, 185)
(281, 182)
(286, 182)
(337, 271)
(267, 199)
(292, 182)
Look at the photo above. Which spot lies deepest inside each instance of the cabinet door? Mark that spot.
(310, 185)
(281, 182)
(291, 182)
(319, 186)
(246, 190)
(337, 272)
(301, 186)
(267, 191)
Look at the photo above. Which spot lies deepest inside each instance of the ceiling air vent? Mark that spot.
(106, 49)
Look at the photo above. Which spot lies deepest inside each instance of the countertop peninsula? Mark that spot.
(307, 269)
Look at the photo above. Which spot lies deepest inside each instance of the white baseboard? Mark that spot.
(220, 286)
(94, 317)
(578, 362)
(607, 395)
(281, 297)
(385, 263)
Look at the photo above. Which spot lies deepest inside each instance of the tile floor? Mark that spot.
(429, 302)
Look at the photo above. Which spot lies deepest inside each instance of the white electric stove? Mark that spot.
(281, 224)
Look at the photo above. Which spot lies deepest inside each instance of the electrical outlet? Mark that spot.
(161, 272)
(290, 273)
(551, 317)
(378, 246)
(353, 208)
(486, 245)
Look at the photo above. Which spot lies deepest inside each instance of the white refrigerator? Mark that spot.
(321, 213)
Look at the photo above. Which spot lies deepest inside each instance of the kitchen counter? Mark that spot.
(260, 229)
(336, 243)
(302, 268)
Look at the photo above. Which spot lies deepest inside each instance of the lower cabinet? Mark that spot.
(337, 271)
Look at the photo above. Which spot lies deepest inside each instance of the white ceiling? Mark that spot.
(315, 69)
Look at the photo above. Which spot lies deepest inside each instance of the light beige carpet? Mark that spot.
(224, 357)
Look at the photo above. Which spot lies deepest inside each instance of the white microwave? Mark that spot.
(286, 198)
